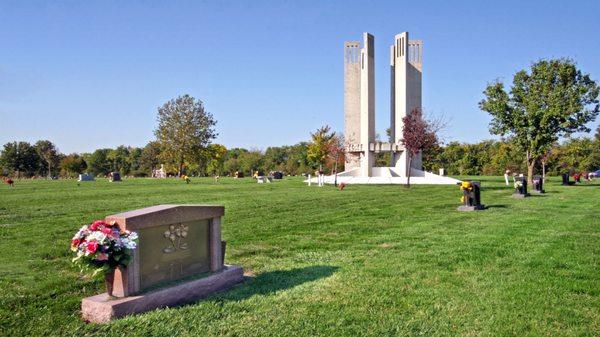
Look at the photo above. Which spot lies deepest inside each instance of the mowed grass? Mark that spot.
(366, 261)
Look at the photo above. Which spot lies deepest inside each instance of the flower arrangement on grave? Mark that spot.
(186, 179)
(465, 186)
(103, 246)
(518, 185)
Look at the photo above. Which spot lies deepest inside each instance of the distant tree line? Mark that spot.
(493, 157)
(489, 157)
(43, 159)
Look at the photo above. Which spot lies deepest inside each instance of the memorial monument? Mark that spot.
(406, 59)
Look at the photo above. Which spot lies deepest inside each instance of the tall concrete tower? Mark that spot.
(406, 73)
(352, 101)
(367, 103)
(359, 103)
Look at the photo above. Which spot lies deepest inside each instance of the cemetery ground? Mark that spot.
(365, 261)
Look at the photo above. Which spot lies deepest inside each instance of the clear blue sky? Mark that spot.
(90, 74)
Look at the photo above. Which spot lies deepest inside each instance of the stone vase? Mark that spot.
(109, 279)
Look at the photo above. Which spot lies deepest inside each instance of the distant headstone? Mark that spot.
(538, 185)
(159, 173)
(565, 179)
(114, 176)
(85, 177)
(277, 175)
(520, 188)
(442, 172)
(179, 259)
(471, 199)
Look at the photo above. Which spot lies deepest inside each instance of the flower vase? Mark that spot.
(109, 278)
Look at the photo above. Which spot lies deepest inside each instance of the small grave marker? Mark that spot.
(520, 188)
(471, 199)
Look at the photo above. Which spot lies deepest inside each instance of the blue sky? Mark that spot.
(90, 74)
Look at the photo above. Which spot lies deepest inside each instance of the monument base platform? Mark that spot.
(388, 175)
(102, 308)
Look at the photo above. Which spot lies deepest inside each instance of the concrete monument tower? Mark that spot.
(406, 64)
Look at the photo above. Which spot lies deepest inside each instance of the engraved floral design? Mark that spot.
(176, 235)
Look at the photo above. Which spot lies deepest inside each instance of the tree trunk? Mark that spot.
(530, 169)
(544, 172)
(180, 166)
(408, 171)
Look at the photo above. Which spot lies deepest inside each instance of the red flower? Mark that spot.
(96, 224)
(92, 247)
(75, 242)
(106, 230)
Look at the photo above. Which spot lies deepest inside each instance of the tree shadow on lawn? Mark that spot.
(270, 282)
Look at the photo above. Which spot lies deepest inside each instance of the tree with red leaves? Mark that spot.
(336, 154)
(418, 135)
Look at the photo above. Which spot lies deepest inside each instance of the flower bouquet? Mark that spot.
(186, 179)
(518, 185)
(103, 247)
(467, 188)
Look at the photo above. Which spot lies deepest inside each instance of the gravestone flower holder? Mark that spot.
(178, 260)
(471, 198)
(520, 188)
(538, 185)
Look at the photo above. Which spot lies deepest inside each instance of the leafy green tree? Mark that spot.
(320, 146)
(216, 158)
(20, 159)
(49, 155)
(184, 129)
(577, 154)
(120, 159)
(250, 161)
(275, 157)
(231, 163)
(134, 160)
(552, 100)
(99, 162)
(72, 165)
(150, 157)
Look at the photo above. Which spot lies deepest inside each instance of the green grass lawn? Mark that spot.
(366, 261)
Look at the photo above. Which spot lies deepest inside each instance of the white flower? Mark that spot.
(98, 237)
(133, 236)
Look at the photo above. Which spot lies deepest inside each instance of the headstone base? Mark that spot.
(538, 192)
(463, 208)
(520, 196)
(102, 309)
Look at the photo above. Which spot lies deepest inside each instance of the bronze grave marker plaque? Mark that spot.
(173, 252)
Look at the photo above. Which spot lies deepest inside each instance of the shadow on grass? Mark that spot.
(496, 188)
(270, 282)
(495, 206)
